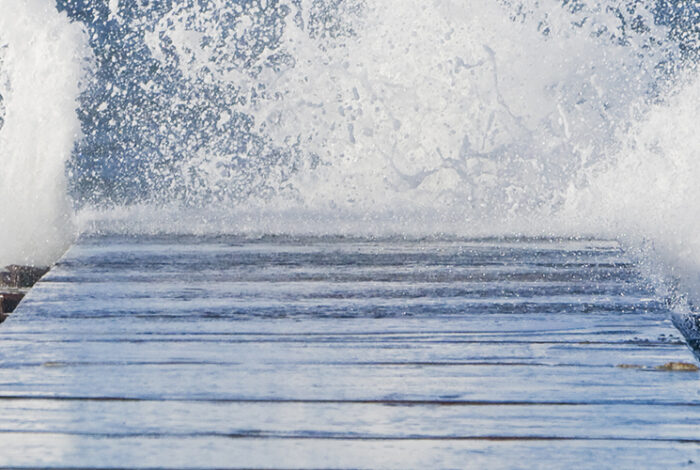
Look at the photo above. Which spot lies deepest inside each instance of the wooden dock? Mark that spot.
(331, 353)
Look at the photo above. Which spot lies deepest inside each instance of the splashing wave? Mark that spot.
(42, 60)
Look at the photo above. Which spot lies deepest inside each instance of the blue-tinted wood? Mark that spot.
(333, 353)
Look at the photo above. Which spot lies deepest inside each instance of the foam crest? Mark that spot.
(362, 117)
(647, 192)
(473, 115)
(41, 63)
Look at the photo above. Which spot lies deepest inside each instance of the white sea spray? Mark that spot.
(42, 59)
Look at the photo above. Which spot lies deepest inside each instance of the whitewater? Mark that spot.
(349, 234)
(42, 60)
(367, 118)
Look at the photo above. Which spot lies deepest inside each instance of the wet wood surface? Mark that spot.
(334, 353)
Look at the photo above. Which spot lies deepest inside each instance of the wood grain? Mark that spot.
(224, 352)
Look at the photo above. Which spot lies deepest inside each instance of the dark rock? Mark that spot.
(9, 302)
(16, 279)
(22, 276)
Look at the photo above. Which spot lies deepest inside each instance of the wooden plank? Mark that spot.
(366, 383)
(446, 350)
(82, 452)
(331, 420)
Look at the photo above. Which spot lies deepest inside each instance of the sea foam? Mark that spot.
(42, 60)
(369, 118)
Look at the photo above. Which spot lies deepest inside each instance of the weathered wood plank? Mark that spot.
(423, 351)
(206, 451)
(249, 380)
(285, 419)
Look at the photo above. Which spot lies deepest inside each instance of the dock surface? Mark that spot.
(186, 352)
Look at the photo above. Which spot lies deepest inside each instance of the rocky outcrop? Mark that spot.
(15, 280)
(8, 302)
(21, 276)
